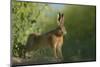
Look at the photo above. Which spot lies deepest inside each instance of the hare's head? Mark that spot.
(60, 21)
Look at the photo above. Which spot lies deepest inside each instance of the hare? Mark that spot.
(53, 39)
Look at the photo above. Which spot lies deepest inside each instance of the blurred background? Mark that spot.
(80, 23)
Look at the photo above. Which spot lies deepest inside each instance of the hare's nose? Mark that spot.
(65, 32)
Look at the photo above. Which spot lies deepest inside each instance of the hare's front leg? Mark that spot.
(55, 52)
(59, 53)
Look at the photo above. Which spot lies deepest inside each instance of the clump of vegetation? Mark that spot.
(26, 19)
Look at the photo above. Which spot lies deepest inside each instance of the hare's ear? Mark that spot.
(62, 19)
(58, 18)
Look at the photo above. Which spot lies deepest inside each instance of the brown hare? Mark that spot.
(53, 39)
